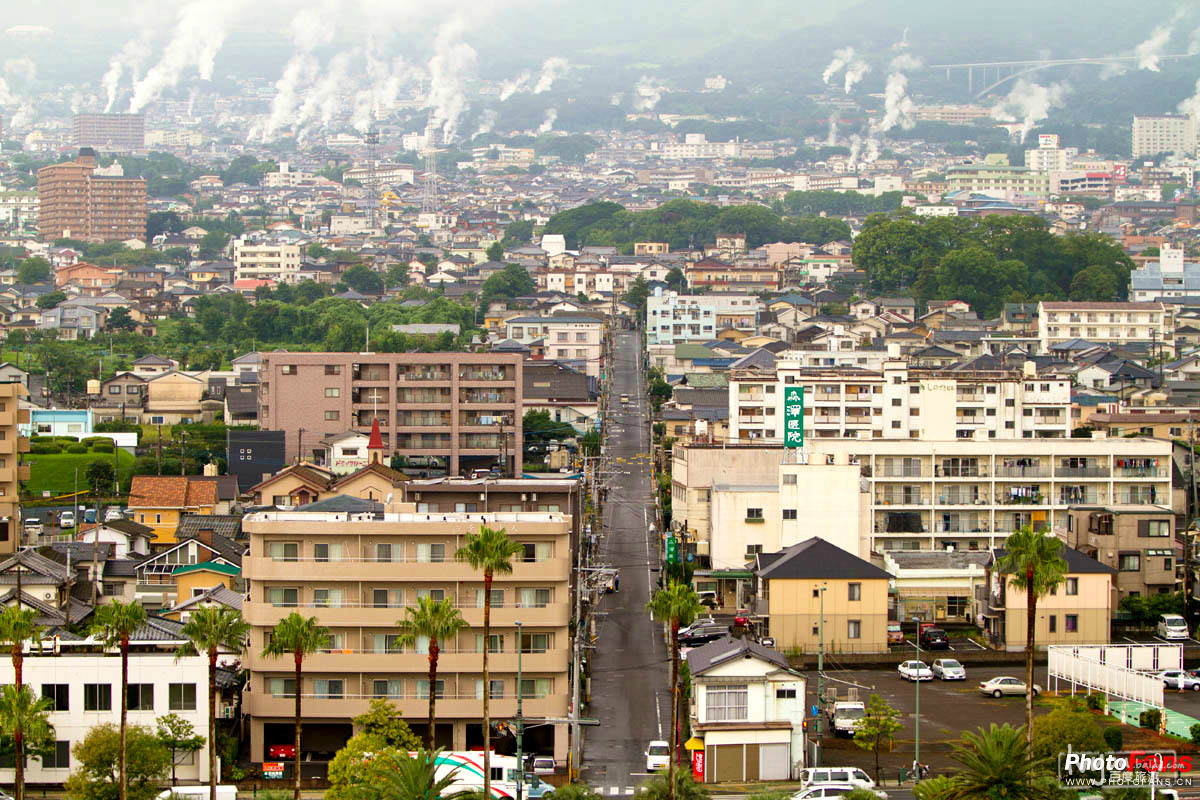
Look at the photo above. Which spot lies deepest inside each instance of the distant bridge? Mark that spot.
(1016, 69)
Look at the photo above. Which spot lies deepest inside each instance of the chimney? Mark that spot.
(204, 536)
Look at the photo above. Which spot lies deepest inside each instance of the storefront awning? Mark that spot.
(728, 574)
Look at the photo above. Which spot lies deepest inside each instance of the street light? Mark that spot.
(917, 722)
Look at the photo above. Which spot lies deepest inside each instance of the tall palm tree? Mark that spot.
(438, 621)
(298, 636)
(209, 630)
(26, 715)
(399, 776)
(1034, 561)
(997, 762)
(491, 552)
(676, 605)
(16, 628)
(114, 624)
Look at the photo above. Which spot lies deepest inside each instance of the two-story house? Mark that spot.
(1138, 541)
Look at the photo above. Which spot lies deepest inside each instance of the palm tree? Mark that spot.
(438, 621)
(17, 627)
(399, 776)
(1035, 562)
(298, 636)
(114, 624)
(25, 714)
(997, 762)
(491, 552)
(209, 630)
(676, 605)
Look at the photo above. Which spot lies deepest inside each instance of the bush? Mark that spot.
(1114, 738)
(1195, 731)
(1095, 701)
(1150, 718)
(103, 447)
(44, 449)
(77, 449)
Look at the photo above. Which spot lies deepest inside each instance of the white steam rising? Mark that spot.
(199, 34)
(552, 69)
(452, 63)
(854, 73)
(898, 107)
(646, 94)
(1030, 103)
(548, 122)
(310, 29)
(129, 58)
(841, 58)
(1149, 51)
(487, 121)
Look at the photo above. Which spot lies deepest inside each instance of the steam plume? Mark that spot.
(1030, 103)
(831, 139)
(487, 121)
(130, 58)
(841, 58)
(1149, 51)
(647, 94)
(509, 88)
(548, 123)
(453, 61)
(199, 35)
(310, 29)
(898, 107)
(552, 69)
(855, 72)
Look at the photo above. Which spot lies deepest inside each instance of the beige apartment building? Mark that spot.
(450, 412)
(272, 261)
(356, 573)
(12, 472)
(110, 132)
(77, 203)
(1111, 323)
(1136, 541)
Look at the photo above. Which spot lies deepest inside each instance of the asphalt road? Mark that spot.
(629, 664)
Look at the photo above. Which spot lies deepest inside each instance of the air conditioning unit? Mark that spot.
(48, 596)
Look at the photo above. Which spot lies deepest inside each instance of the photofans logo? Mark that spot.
(1086, 770)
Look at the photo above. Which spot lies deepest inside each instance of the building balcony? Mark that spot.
(1131, 472)
(980, 471)
(1023, 472)
(410, 707)
(898, 471)
(261, 568)
(552, 615)
(902, 500)
(1082, 472)
(449, 661)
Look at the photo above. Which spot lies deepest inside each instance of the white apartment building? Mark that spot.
(922, 494)
(696, 145)
(897, 402)
(85, 690)
(272, 261)
(576, 340)
(19, 208)
(1115, 323)
(1164, 133)
(672, 318)
(1170, 276)
(1049, 157)
(286, 176)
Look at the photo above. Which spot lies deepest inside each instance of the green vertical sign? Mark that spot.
(671, 554)
(793, 416)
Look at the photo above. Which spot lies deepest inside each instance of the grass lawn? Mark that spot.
(56, 472)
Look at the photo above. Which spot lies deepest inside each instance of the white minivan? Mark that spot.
(198, 793)
(1172, 626)
(816, 776)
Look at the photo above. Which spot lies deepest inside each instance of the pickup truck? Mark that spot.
(844, 716)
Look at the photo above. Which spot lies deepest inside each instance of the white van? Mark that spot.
(816, 776)
(1172, 626)
(198, 793)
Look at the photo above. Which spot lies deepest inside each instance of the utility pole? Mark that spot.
(299, 445)
(520, 720)
(917, 714)
(577, 689)
(159, 454)
(820, 671)
(1189, 540)
(182, 444)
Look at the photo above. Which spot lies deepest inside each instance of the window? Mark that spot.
(114, 390)
(97, 697)
(333, 391)
(853, 629)
(181, 696)
(789, 479)
(855, 592)
(1130, 562)
(1072, 586)
(288, 369)
(333, 369)
(384, 552)
(286, 597)
(58, 694)
(387, 688)
(281, 687)
(535, 598)
(327, 598)
(754, 514)
(333, 416)
(789, 513)
(495, 689)
(727, 703)
(328, 688)
(785, 694)
(535, 687)
(431, 553)
(896, 401)
(895, 423)
(284, 551)
(535, 551)
(59, 757)
(423, 688)
(140, 697)
(535, 642)
(436, 595)
(497, 598)
(495, 643)
(1071, 623)
(1053, 623)
(1154, 527)
(323, 551)
(387, 598)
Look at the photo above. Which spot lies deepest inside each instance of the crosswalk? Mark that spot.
(616, 791)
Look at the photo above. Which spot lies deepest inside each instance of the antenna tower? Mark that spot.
(372, 138)
(429, 186)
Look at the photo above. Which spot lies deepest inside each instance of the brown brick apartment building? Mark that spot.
(119, 132)
(76, 203)
(450, 411)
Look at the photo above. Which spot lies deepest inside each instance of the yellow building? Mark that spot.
(1078, 612)
(158, 501)
(12, 445)
(799, 586)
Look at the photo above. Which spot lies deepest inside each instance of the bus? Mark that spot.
(468, 775)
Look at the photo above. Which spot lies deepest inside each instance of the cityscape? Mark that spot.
(497, 400)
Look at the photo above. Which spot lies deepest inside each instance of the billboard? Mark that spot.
(793, 416)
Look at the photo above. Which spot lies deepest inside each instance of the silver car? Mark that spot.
(949, 669)
(1005, 685)
(1179, 679)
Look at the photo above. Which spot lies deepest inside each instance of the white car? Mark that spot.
(1005, 685)
(914, 671)
(66, 519)
(948, 669)
(658, 756)
(113, 513)
(1179, 679)
(1172, 626)
(823, 790)
(815, 776)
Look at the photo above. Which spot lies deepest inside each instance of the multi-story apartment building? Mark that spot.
(448, 411)
(997, 179)
(927, 494)
(1049, 157)
(1106, 323)
(898, 402)
(12, 472)
(1164, 133)
(122, 133)
(1170, 276)
(1137, 541)
(84, 689)
(19, 209)
(717, 276)
(696, 145)
(272, 261)
(76, 202)
(357, 573)
(672, 318)
(578, 341)
(954, 115)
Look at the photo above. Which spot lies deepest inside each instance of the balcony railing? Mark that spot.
(1142, 472)
(1034, 471)
(903, 471)
(963, 471)
(901, 500)
(1081, 472)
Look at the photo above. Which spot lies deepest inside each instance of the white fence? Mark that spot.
(1124, 671)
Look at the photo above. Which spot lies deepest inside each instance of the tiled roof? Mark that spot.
(163, 491)
(228, 526)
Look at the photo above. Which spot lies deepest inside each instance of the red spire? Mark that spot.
(376, 442)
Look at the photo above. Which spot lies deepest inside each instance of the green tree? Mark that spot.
(114, 624)
(437, 621)
(491, 552)
(209, 631)
(383, 720)
(212, 245)
(1034, 561)
(27, 716)
(179, 737)
(111, 764)
(363, 279)
(877, 728)
(1095, 283)
(676, 280)
(495, 252)
(17, 626)
(400, 776)
(50, 300)
(512, 281)
(163, 222)
(636, 295)
(675, 606)
(33, 270)
(297, 636)
(100, 477)
(1074, 726)
(381, 733)
(939, 787)
(997, 763)
(119, 319)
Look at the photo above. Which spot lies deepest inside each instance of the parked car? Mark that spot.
(914, 671)
(542, 765)
(1005, 685)
(66, 519)
(949, 669)
(700, 622)
(33, 526)
(1172, 626)
(89, 515)
(895, 634)
(935, 639)
(823, 790)
(703, 634)
(1180, 679)
(202, 792)
(708, 599)
(113, 513)
(281, 751)
(814, 776)
(658, 755)
(624, 398)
